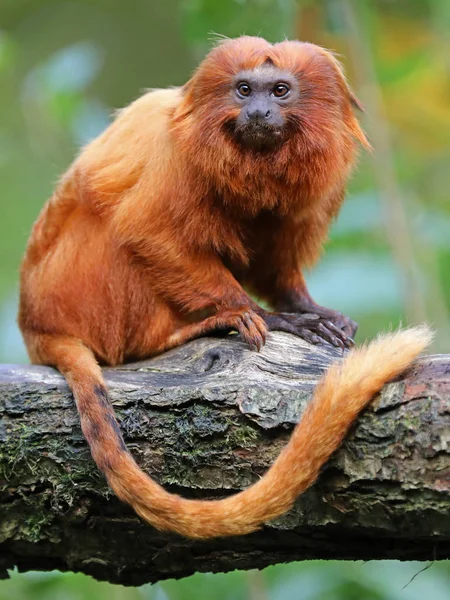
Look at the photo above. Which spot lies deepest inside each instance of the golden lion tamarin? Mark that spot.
(190, 194)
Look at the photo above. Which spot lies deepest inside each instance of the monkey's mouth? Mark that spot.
(258, 136)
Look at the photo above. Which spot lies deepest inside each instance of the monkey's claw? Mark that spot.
(248, 324)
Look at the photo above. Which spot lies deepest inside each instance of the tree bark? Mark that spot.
(206, 420)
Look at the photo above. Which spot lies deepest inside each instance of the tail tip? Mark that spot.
(419, 337)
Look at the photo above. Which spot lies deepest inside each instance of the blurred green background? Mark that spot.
(64, 65)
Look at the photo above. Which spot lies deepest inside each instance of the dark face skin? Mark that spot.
(263, 95)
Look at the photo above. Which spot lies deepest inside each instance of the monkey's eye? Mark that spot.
(244, 89)
(280, 90)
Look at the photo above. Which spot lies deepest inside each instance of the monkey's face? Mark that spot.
(263, 97)
(250, 100)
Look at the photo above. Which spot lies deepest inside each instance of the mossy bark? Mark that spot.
(206, 420)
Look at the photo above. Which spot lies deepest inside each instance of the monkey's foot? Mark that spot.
(246, 322)
(311, 327)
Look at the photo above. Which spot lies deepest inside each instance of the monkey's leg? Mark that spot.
(198, 282)
(275, 274)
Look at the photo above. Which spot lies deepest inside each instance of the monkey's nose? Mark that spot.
(258, 114)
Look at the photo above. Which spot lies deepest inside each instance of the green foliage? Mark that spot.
(316, 580)
(267, 18)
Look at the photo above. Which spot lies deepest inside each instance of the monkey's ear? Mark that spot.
(353, 122)
(187, 87)
(354, 125)
(187, 95)
(355, 102)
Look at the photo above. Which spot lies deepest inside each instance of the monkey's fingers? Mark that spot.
(348, 338)
(308, 336)
(337, 323)
(247, 323)
(252, 329)
(343, 335)
(329, 332)
(340, 322)
(310, 327)
(350, 330)
(322, 331)
(334, 338)
(278, 322)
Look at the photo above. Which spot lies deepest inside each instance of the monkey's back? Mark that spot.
(76, 280)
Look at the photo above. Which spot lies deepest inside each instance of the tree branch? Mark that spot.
(206, 420)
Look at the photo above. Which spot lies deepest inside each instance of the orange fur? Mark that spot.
(149, 237)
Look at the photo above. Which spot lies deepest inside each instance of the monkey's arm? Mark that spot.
(276, 274)
(187, 274)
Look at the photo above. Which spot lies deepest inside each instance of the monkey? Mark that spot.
(192, 203)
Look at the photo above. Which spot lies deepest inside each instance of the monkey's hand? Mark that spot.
(304, 304)
(347, 325)
(309, 326)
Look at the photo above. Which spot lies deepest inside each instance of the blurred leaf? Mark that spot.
(272, 19)
(64, 105)
(7, 51)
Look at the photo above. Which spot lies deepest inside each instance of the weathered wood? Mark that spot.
(206, 420)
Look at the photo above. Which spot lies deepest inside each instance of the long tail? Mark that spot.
(344, 391)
